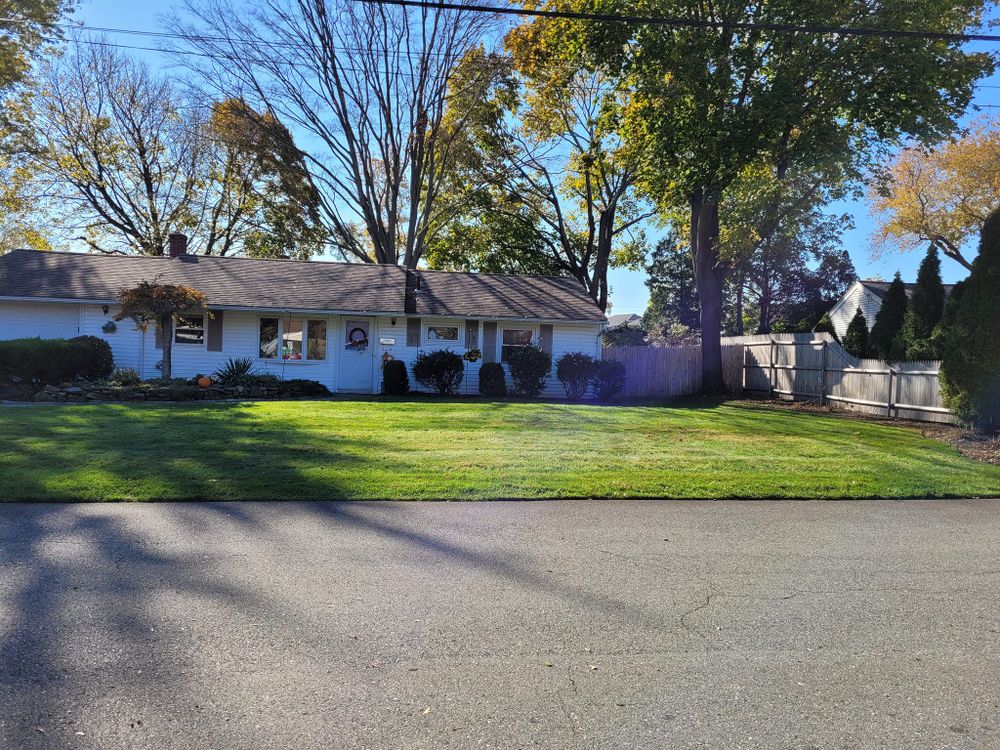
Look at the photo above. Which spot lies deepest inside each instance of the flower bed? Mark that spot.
(159, 390)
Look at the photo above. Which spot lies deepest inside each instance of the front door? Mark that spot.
(357, 356)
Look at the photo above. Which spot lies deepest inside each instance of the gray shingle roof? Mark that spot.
(879, 288)
(294, 285)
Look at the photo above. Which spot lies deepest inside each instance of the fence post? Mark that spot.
(771, 376)
(744, 373)
(888, 398)
(822, 382)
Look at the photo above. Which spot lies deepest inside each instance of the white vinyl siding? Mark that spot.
(857, 296)
(25, 320)
(240, 338)
(566, 337)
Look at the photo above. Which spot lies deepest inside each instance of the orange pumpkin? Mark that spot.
(204, 381)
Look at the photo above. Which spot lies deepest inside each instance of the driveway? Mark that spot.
(501, 625)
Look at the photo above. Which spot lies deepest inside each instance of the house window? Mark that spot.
(441, 333)
(317, 340)
(189, 329)
(268, 338)
(291, 338)
(299, 339)
(514, 338)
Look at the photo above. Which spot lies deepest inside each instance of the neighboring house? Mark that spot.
(631, 320)
(330, 322)
(868, 296)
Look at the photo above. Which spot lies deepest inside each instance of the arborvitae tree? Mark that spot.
(970, 370)
(889, 320)
(926, 306)
(856, 338)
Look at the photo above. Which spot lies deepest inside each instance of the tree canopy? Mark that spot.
(940, 195)
(706, 103)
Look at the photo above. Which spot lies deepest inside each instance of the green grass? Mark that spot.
(358, 449)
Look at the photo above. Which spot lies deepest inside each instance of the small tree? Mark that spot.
(575, 370)
(856, 338)
(159, 305)
(970, 369)
(889, 322)
(926, 306)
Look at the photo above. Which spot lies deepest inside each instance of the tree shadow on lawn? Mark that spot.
(182, 452)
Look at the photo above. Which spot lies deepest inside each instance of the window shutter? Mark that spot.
(413, 331)
(214, 332)
(545, 337)
(158, 337)
(471, 334)
(489, 342)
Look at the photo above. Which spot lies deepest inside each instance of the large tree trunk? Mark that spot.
(167, 335)
(709, 274)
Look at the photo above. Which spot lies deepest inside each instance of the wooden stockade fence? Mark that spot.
(810, 366)
(665, 371)
(815, 367)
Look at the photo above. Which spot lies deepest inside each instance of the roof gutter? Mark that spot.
(319, 311)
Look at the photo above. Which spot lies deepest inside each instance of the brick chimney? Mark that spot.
(178, 244)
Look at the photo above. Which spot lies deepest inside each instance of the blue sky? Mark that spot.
(628, 289)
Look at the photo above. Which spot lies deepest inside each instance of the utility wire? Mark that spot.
(195, 53)
(695, 23)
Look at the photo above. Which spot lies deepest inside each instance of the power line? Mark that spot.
(694, 23)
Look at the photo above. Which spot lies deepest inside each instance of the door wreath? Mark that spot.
(357, 339)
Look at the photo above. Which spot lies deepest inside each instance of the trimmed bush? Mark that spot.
(301, 387)
(54, 361)
(395, 381)
(608, 379)
(492, 382)
(529, 368)
(440, 370)
(970, 367)
(93, 357)
(124, 376)
(856, 338)
(575, 370)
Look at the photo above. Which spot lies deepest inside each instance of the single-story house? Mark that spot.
(330, 322)
(868, 296)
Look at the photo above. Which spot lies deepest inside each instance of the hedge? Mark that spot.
(54, 361)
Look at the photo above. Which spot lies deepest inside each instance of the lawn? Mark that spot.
(359, 449)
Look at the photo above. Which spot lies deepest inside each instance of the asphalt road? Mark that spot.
(490, 625)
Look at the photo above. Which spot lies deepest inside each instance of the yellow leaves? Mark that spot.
(944, 194)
